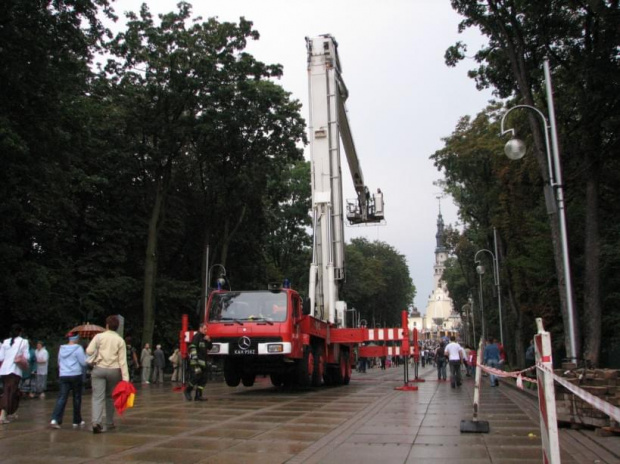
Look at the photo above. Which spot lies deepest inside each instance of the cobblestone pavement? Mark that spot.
(366, 422)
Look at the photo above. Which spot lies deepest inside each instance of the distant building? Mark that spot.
(440, 319)
(415, 320)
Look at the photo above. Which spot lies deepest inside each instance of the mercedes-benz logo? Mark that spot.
(244, 343)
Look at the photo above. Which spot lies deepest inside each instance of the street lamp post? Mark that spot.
(515, 149)
(480, 270)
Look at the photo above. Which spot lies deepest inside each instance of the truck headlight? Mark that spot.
(275, 348)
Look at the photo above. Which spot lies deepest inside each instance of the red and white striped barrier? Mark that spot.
(546, 396)
(385, 334)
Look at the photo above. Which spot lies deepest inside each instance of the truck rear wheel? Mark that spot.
(318, 368)
(346, 363)
(232, 373)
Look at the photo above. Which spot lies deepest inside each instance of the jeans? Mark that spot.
(69, 383)
(455, 373)
(441, 369)
(495, 364)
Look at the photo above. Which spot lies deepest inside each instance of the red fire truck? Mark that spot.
(274, 332)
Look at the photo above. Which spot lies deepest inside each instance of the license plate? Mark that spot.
(244, 352)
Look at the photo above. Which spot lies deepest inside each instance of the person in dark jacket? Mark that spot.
(198, 350)
(71, 365)
(158, 364)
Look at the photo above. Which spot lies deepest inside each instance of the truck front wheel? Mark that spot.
(305, 368)
(277, 380)
(232, 373)
(248, 379)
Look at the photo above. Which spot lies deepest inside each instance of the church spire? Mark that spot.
(440, 235)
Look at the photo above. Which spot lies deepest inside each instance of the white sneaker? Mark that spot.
(81, 424)
(54, 424)
(42, 396)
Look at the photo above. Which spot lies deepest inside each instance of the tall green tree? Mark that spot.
(288, 246)
(581, 39)
(46, 49)
(193, 101)
(378, 283)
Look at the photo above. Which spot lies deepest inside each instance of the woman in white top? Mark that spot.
(11, 373)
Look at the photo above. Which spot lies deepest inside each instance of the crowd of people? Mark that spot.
(445, 353)
(105, 360)
(109, 359)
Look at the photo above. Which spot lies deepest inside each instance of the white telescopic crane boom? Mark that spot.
(328, 126)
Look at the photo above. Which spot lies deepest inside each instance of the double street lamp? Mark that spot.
(480, 270)
(515, 149)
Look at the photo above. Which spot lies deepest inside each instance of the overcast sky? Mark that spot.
(402, 97)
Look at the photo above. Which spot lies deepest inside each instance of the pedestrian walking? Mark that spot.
(110, 367)
(198, 351)
(42, 356)
(146, 360)
(14, 354)
(132, 360)
(28, 383)
(491, 358)
(159, 363)
(454, 353)
(175, 360)
(441, 362)
(71, 366)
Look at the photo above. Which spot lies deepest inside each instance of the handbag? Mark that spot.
(20, 360)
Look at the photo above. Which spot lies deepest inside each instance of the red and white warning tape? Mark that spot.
(600, 404)
(516, 374)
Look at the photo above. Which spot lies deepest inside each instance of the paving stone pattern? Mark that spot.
(366, 422)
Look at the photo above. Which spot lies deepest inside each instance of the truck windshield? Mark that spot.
(248, 307)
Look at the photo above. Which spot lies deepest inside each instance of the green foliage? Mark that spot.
(181, 118)
(378, 284)
(581, 40)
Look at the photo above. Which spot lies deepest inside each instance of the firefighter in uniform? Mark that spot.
(198, 350)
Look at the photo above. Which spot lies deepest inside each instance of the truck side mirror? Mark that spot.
(305, 310)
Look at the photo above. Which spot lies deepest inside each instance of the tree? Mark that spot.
(288, 247)
(192, 101)
(581, 38)
(491, 194)
(46, 49)
(377, 283)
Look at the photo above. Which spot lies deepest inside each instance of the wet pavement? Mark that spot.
(366, 422)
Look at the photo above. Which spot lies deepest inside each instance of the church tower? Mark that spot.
(441, 254)
(440, 320)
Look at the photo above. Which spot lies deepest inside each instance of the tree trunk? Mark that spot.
(592, 303)
(229, 234)
(150, 267)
